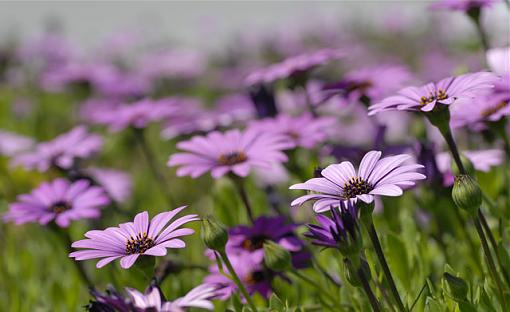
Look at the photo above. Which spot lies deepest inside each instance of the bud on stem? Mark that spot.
(214, 234)
(467, 194)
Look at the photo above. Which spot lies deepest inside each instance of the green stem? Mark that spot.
(490, 260)
(471, 243)
(475, 17)
(494, 245)
(239, 183)
(314, 284)
(384, 264)
(237, 281)
(366, 287)
(453, 149)
(152, 163)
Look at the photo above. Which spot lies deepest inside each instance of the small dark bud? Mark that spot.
(466, 193)
(457, 287)
(214, 234)
(276, 257)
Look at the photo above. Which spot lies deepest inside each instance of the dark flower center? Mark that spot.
(492, 110)
(255, 277)
(232, 158)
(359, 85)
(60, 207)
(139, 244)
(439, 95)
(356, 186)
(254, 243)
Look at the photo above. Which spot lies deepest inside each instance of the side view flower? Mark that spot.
(233, 151)
(444, 92)
(60, 201)
(375, 176)
(130, 240)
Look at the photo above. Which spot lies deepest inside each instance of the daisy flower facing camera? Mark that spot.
(375, 176)
(130, 240)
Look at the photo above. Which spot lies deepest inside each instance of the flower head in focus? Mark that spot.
(293, 66)
(444, 92)
(61, 152)
(233, 151)
(131, 240)
(375, 176)
(60, 201)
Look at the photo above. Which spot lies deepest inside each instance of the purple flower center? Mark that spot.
(139, 244)
(254, 243)
(254, 277)
(356, 186)
(439, 95)
(492, 110)
(232, 158)
(60, 207)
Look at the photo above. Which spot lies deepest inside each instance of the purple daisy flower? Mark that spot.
(374, 82)
(304, 131)
(130, 240)
(252, 274)
(445, 92)
(232, 151)
(292, 66)
(341, 231)
(12, 144)
(60, 201)
(61, 152)
(251, 239)
(482, 160)
(116, 183)
(375, 176)
(461, 5)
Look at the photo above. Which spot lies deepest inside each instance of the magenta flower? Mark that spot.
(498, 60)
(61, 152)
(151, 300)
(233, 151)
(116, 183)
(60, 201)
(445, 92)
(130, 240)
(12, 144)
(375, 176)
(461, 5)
(304, 131)
(292, 66)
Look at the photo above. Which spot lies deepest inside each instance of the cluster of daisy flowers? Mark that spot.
(347, 138)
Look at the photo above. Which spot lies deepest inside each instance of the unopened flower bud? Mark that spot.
(458, 288)
(466, 193)
(214, 234)
(276, 257)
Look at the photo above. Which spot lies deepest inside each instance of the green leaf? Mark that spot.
(276, 304)
(398, 259)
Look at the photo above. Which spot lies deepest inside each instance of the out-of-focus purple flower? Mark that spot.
(481, 160)
(375, 176)
(461, 5)
(372, 83)
(188, 118)
(152, 300)
(304, 131)
(341, 231)
(170, 64)
(251, 239)
(60, 201)
(115, 182)
(445, 92)
(254, 276)
(131, 240)
(137, 115)
(498, 60)
(50, 49)
(292, 66)
(232, 151)
(62, 151)
(12, 144)
(234, 108)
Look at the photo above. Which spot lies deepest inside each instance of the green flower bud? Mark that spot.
(457, 287)
(466, 193)
(351, 271)
(276, 257)
(214, 234)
